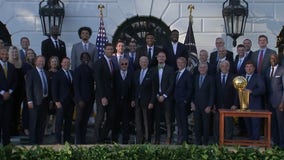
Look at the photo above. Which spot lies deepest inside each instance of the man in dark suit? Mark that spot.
(53, 46)
(202, 103)
(214, 56)
(261, 57)
(256, 89)
(37, 97)
(240, 60)
(182, 97)
(150, 50)
(119, 55)
(226, 98)
(85, 45)
(175, 49)
(163, 76)
(203, 58)
(8, 84)
(25, 44)
(133, 56)
(63, 93)
(144, 100)
(105, 97)
(84, 96)
(124, 89)
(222, 55)
(248, 52)
(274, 77)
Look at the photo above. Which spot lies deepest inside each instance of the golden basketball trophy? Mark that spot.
(240, 83)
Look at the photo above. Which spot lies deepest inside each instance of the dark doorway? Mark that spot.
(137, 27)
(5, 35)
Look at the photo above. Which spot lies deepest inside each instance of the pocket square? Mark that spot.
(277, 76)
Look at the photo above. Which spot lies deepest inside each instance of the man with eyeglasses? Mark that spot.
(123, 88)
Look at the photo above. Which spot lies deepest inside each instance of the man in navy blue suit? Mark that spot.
(144, 100)
(256, 89)
(63, 93)
(274, 77)
(84, 96)
(37, 97)
(8, 82)
(202, 103)
(182, 97)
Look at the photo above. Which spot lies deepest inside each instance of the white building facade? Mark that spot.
(22, 19)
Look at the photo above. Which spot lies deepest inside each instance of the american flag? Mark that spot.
(101, 38)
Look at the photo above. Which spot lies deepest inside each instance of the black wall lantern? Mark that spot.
(51, 14)
(235, 13)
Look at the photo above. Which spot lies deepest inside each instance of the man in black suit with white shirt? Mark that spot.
(175, 49)
(53, 46)
(163, 76)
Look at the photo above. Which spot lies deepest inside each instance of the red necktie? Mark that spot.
(260, 61)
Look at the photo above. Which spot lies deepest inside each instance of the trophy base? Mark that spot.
(243, 110)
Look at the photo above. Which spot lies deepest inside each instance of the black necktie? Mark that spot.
(272, 72)
(56, 44)
(149, 53)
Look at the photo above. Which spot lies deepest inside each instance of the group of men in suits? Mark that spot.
(148, 83)
(264, 76)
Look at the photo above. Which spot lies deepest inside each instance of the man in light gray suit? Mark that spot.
(274, 77)
(84, 46)
(261, 57)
